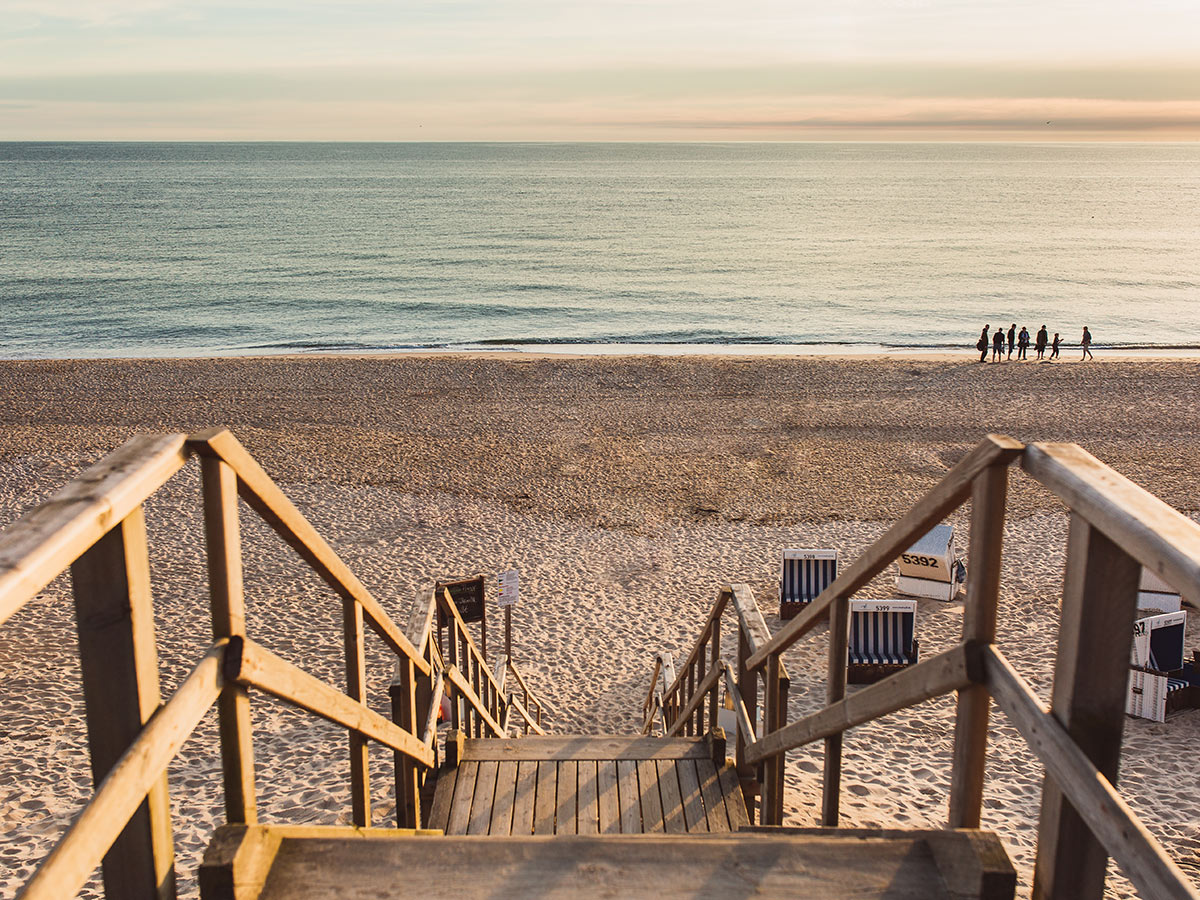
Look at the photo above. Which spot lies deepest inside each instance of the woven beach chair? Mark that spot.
(805, 574)
(882, 639)
(931, 567)
(1160, 682)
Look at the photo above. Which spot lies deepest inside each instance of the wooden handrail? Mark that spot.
(1116, 826)
(698, 696)
(516, 704)
(446, 602)
(744, 723)
(266, 499)
(713, 621)
(949, 493)
(456, 678)
(43, 542)
(122, 791)
(539, 702)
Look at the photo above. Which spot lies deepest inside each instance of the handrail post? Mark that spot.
(835, 690)
(222, 533)
(1090, 676)
(714, 662)
(456, 723)
(403, 691)
(747, 683)
(988, 497)
(773, 768)
(356, 678)
(114, 617)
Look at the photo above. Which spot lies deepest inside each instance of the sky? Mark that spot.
(637, 70)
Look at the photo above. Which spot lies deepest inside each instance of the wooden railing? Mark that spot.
(95, 525)
(1115, 529)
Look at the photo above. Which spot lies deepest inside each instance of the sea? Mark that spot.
(203, 249)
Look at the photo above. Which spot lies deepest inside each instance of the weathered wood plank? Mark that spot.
(835, 691)
(578, 747)
(648, 795)
(568, 797)
(547, 798)
(630, 796)
(1138, 853)
(608, 798)
(690, 796)
(506, 796)
(123, 789)
(475, 708)
(481, 803)
(525, 798)
(672, 802)
(735, 805)
(464, 796)
(696, 656)
(943, 499)
(710, 790)
(588, 819)
(356, 690)
(48, 538)
(695, 701)
(443, 797)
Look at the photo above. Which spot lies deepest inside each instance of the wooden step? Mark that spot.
(589, 785)
(277, 862)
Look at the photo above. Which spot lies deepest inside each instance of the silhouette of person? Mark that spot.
(998, 346)
(1012, 338)
(982, 346)
(1040, 344)
(1054, 346)
(1023, 343)
(1086, 342)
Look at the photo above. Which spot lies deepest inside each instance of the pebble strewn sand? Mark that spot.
(626, 491)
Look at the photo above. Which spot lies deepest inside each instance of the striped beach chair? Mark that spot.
(805, 574)
(1160, 682)
(882, 639)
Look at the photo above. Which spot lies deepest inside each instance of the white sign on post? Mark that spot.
(508, 588)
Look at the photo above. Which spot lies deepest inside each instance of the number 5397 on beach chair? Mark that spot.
(805, 574)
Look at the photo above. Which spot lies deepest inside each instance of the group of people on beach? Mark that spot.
(1020, 340)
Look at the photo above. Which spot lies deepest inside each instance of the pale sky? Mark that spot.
(600, 70)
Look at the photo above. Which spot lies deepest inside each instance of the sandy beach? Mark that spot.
(626, 490)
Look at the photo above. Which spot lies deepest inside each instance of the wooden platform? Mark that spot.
(588, 785)
(272, 863)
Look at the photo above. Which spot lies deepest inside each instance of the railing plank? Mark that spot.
(475, 659)
(456, 678)
(1136, 851)
(266, 499)
(835, 691)
(744, 723)
(1159, 537)
(930, 510)
(43, 542)
(264, 670)
(524, 714)
(698, 697)
(64, 871)
(937, 675)
(356, 689)
(713, 620)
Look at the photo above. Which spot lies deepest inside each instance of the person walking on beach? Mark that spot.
(1054, 346)
(982, 346)
(1042, 339)
(998, 346)
(1023, 343)
(1086, 342)
(1012, 338)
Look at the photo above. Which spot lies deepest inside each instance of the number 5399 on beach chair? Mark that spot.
(882, 639)
(805, 574)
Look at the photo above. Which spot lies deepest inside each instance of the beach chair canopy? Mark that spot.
(806, 573)
(1158, 642)
(881, 632)
(930, 567)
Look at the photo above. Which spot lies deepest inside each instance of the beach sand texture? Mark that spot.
(626, 490)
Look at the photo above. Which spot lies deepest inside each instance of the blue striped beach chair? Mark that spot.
(1160, 682)
(805, 574)
(882, 639)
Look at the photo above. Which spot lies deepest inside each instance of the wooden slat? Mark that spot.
(929, 511)
(772, 770)
(547, 797)
(608, 799)
(630, 796)
(506, 796)
(64, 871)
(464, 796)
(1157, 536)
(672, 802)
(222, 538)
(481, 803)
(710, 790)
(696, 656)
(694, 701)
(648, 794)
(745, 725)
(689, 792)
(356, 690)
(47, 539)
(1091, 674)
(443, 797)
(530, 722)
(588, 818)
(568, 797)
(266, 499)
(264, 670)
(835, 691)
(1136, 851)
(988, 501)
(735, 806)
(420, 621)
(585, 747)
(948, 671)
(525, 799)
(118, 660)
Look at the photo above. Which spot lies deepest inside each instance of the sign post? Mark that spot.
(508, 599)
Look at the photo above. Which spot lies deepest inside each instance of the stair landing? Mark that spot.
(588, 785)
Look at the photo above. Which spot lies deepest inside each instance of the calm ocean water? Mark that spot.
(203, 249)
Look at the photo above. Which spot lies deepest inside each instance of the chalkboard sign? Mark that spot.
(467, 595)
